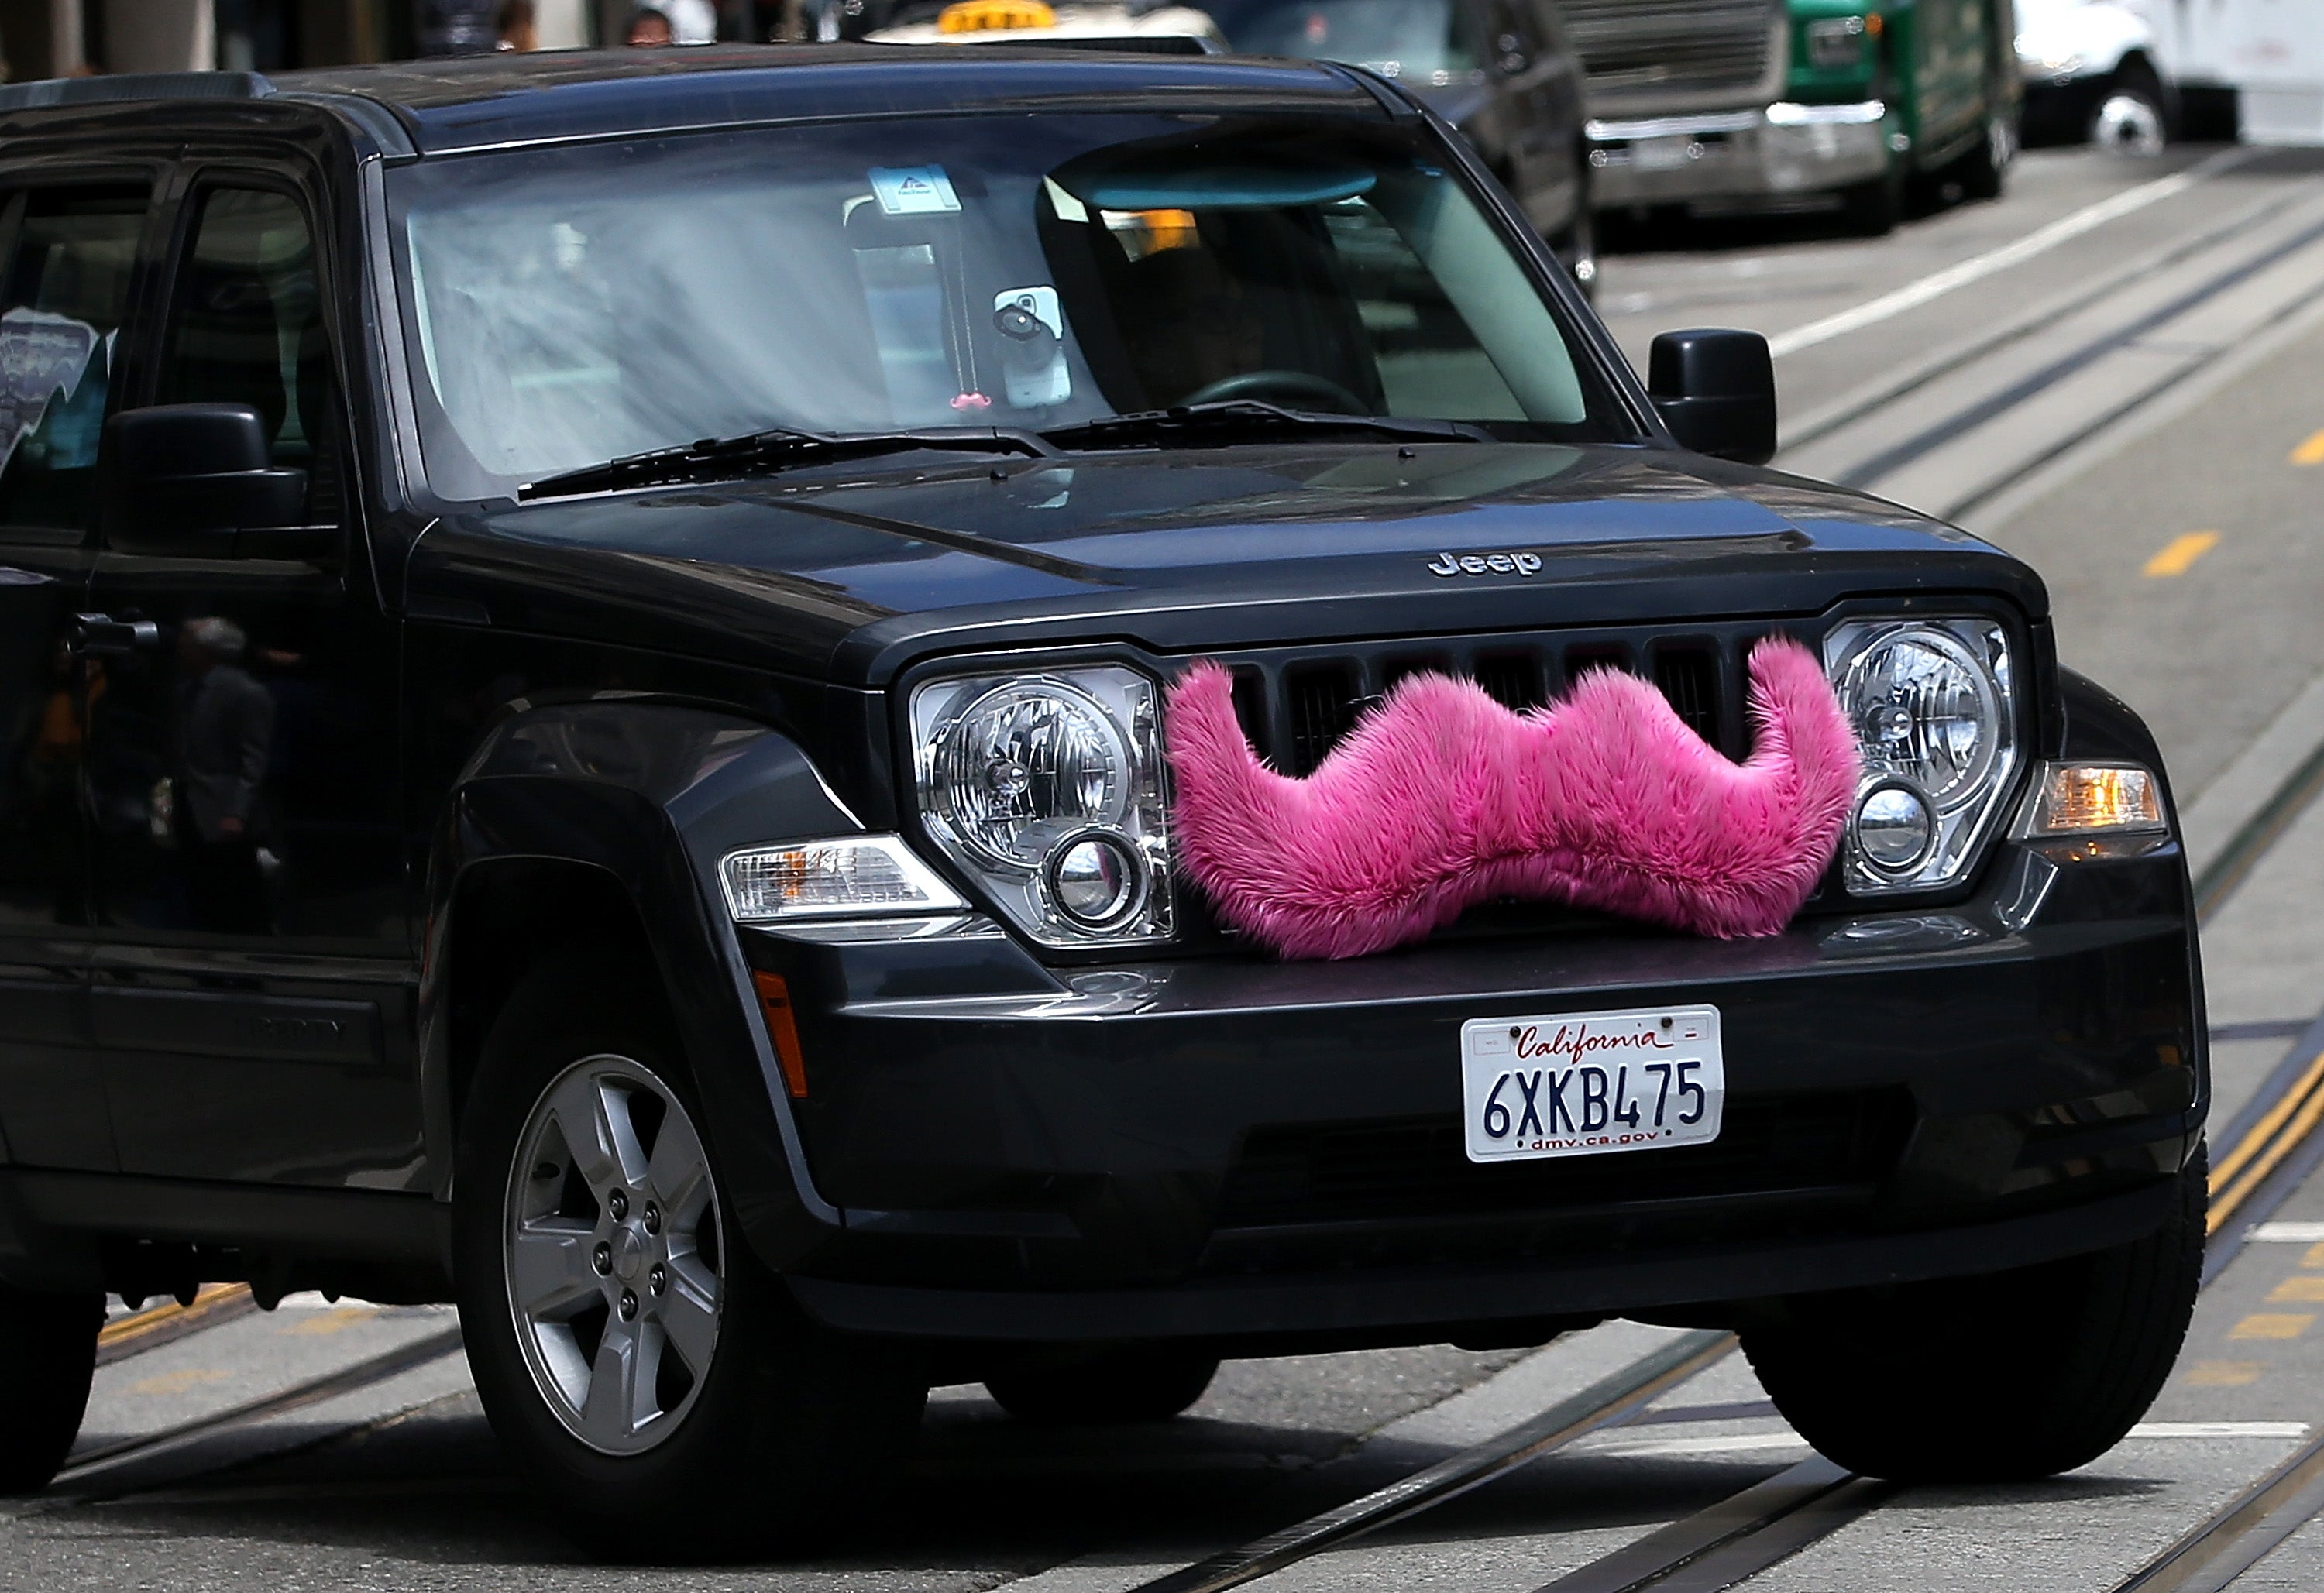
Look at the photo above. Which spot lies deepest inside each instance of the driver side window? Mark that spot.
(246, 327)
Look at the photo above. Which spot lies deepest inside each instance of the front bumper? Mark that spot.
(1237, 1148)
(1767, 154)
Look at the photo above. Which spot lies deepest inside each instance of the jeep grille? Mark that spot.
(1297, 707)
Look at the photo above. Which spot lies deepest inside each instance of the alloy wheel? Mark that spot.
(612, 1252)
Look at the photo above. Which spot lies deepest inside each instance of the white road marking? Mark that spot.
(1728, 1443)
(2286, 1233)
(1742, 1443)
(1977, 267)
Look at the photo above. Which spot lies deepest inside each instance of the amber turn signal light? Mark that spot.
(2095, 798)
(782, 1029)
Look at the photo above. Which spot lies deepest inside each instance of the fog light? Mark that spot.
(1894, 827)
(2095, 798)
(1093, 880)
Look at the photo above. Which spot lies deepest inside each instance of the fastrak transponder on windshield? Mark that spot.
(809, 722)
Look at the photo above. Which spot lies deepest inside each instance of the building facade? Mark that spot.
(68, 38)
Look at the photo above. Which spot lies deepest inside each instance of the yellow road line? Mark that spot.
(2311, 451)
(2229, 1166)
(2179, 554)
(208, 1299)
(2224, 1200)
(178, 1382)
(2272, 1324)
(2224, 1374)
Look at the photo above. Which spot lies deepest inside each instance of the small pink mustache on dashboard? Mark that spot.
(1441, 798)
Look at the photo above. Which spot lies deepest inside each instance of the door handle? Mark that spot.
(101, 636)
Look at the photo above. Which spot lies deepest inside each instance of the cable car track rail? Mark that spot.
(1940, 400)
(1850, 407)
(1604, 1404)
(2234, 1539)
(111, 1469)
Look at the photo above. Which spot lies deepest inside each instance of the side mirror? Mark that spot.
(198, 480)
(1716, 391)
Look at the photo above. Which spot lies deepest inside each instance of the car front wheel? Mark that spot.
(2003, 1378)
(654, 1384)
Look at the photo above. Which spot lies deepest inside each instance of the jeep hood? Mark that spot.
(848, 574)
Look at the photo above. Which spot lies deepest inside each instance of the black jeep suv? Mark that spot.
(584, 647)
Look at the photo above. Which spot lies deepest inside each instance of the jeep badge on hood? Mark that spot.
(1481, 564)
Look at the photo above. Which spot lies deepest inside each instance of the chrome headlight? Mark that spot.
(1835, 41)
(1934, 706)
(1048, 790)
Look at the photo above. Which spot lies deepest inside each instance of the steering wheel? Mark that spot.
(1296, 389)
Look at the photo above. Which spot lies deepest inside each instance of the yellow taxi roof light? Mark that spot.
(984, 17)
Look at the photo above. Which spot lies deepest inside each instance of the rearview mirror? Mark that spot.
(1716, 391)
(199, 480)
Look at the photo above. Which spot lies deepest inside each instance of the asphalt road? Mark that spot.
(2117, 371)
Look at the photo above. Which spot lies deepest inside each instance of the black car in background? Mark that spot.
(1500, 72)
(709, 906)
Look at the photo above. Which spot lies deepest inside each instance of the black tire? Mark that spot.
(780, 1440)
(49, 1343)
(1983, 171)
(1640, 227)
(1142, 1384)
(1873, 208)
(2004, 1378)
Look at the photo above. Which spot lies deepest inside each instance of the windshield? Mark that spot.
(1422, 41)
(571, 305)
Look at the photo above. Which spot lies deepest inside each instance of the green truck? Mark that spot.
(1714, 104)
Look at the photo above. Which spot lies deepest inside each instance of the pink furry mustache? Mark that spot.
(1441, 798)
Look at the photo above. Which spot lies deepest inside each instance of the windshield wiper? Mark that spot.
(1235, 420)
(777, 448)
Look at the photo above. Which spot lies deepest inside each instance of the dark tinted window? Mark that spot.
(66, 289)
(246, 327)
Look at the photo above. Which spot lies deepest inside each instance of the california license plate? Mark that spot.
(1584, 1084)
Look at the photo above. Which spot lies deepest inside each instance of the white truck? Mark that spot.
(2129, 73)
